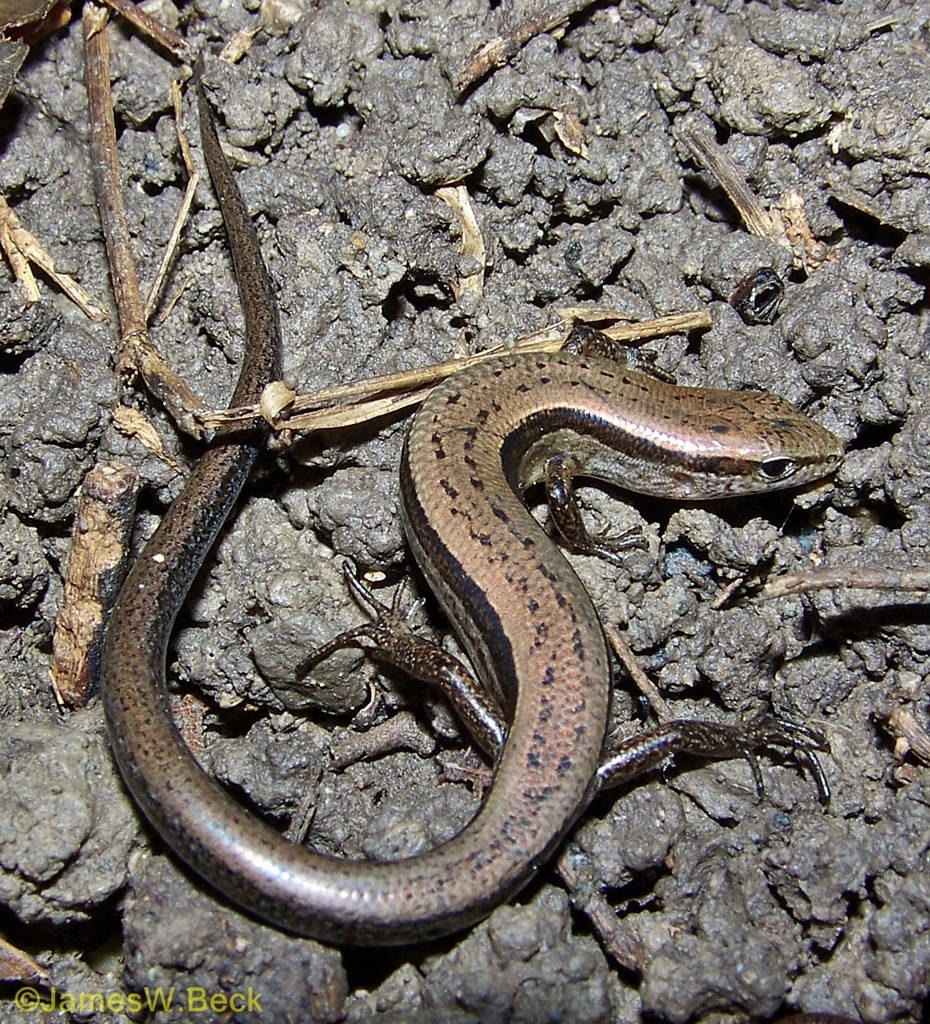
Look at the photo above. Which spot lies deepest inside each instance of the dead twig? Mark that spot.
(362, 401)
(642, 682)
(787, 227)
(495, 52)
(910, 736)
(108, 187)
(400, 732)
(148, 26)
(848, 578)
(131, 423)
(299, 826)
(239, 44)
(457, 198)
(18, 966)
(723, 598)
(584, 887)
(137, 354)
(22, 248)
(674, 323)
(183, 211)
(103, 522)
(755, 216)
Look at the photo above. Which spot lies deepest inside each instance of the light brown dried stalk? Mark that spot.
(848, 578)
(102, 525)
(137, 354)
(362, 401)
(495, 52)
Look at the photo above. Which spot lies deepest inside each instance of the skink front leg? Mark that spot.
(585, 340)
(560, 468)
(566, 516)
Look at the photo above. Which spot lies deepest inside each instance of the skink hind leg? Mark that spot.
(646, 749)
(388, 638)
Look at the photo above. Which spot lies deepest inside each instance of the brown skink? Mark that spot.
(518, 608)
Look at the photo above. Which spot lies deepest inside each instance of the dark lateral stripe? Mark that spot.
(546, 421)
(495, 656)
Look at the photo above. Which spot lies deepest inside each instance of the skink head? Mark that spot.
(751, 443)
(698, 444)
(639, 433)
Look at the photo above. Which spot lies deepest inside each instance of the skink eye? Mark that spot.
(777, 468)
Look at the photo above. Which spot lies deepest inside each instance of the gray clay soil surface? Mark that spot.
(344, 123)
